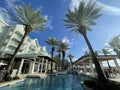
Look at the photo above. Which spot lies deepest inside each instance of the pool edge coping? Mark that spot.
(11, 83)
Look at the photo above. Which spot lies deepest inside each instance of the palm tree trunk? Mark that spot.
(71, 63)
(59, 56)
(14, 54)
(52, 60)
(63, 58)
(60, 59)
(108, 64)
(99, 71)
(107, 61)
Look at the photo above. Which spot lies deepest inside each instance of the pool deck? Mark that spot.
(11, 82)
(115, 78)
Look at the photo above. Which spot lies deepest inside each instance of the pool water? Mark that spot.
(58, 82)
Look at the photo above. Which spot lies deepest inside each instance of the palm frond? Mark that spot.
(83, 16)
(64, 46)
(52, 41)
(27, 16)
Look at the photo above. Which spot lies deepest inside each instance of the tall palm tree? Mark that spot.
(80, 21)
(115, 44)
(31, 20)
(63, 47)
(53, 42)
(56, 57)
(70, 56)
(106, 52)
(59, 51)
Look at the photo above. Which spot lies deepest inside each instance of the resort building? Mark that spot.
(31, 58)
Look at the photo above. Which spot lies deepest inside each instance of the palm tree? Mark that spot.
(80, 21)
(31, 20)
(59, 51)
(105, 52)
(63, 47)
(70, 56)
(56, 57)
(115, 44)
(53, 42)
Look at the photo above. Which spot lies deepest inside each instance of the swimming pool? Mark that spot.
(58, 82)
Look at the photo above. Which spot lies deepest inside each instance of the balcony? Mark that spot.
(13, 44)
(8, 51)
(19, 33)
(18, 38)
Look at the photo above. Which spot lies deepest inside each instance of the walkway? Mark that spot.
(10, 82)
(115, 78)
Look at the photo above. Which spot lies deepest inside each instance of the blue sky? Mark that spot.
(55, 10)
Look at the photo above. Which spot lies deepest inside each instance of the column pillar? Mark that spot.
(117, 66)
(42, 65)
(91, 68)
(39, 66)
(33, 66)
(20, 67)
(53, 65)
(85, 69)
(46, 68)
(101, 65)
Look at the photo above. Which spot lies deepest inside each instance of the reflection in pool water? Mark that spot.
(59, 82)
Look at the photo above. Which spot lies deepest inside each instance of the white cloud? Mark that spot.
(109, 9)
(68, 41)
(4, 15)
(85, 49)
(74, 3)
(49, 21)
(11, 3)
(106, 44)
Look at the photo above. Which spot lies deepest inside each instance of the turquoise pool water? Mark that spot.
(59, 82)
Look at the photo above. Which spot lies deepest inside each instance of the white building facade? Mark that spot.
(31, 58)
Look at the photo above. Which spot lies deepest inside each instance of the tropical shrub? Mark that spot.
(15, 78)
